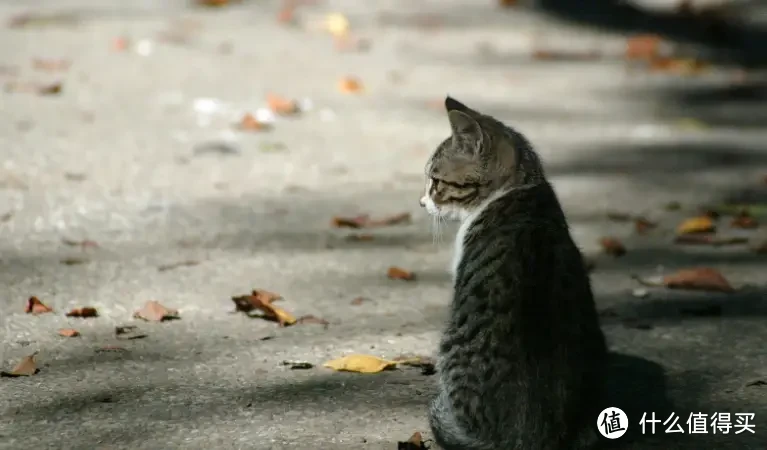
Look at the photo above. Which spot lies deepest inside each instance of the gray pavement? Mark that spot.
(112, 159)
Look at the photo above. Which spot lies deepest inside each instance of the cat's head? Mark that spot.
(481, 157)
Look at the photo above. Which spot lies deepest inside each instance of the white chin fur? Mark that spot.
(447, 212)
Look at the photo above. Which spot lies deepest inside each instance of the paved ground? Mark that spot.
(115, 158)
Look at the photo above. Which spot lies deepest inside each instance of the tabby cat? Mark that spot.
(522, 358)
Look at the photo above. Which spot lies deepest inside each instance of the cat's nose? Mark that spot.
(422, 202)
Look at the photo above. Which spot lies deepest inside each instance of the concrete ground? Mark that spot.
(122, 157)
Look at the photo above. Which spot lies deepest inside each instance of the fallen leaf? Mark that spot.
(701, 278)
(128, 332)
(396, 273)
(350, 85)
(249, 123)
(709, 239)
(744, 220)
(187, 263)
(262, 300)
(49, 89)
(359, 300)
(73, 261)
(69, 332)
(312, 320)
(297, 365)
(51, 65)
(414, 443)
(612, 246)
(564, 55)
(364, 221)
(643, 47)
(25, 367)
(35, 306)
(282, 106)
(360, 363)
(153, 311)
(701, 224)
(643, 226)
(84, 312)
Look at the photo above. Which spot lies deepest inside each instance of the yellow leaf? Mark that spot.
(360, 364)
(283, 317)
(337, 24)
(702, 224)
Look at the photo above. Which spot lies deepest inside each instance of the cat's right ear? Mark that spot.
(464, 125)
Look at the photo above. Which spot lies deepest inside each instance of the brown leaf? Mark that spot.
(643, 226)
(414, 443)
(176, 265)
(282, 106)
(700, 278)
(359, 300)
(69, 332)
(310, 319)
(35, 306)
(350, 85)
(364, 221)
(744, 220)
(83, 312)
(262, 300)
(25, 367)
(128, 332)
(51, 65)
(700, 224)
(153, 311)
(396, 273)
(612, 246)
(561, 55)
(249, 123)
(643, 47)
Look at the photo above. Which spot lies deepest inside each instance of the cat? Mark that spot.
(522, 359)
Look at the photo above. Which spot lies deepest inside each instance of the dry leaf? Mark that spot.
(643, 225)
(313, 320)
(49, 89)
(350, 85)
(701, 224)
(187, 263)
(262, 300)
(249, 123)
(414, 443)
(644, 47)
(153, 311)
(396, 273)
(25, 367)
(128, 332)
(360, 363)
(701, 278)
(282, 106)
(35, 306)
(612, 246)
(744, 220)
(83, 312)
(364, 221)
(69, 332)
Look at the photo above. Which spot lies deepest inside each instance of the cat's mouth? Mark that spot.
(444, 211)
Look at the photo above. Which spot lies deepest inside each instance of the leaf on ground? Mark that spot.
(50, 89)
(128, 332)
(360, 364)
(397, 273)
(612, 246)
(744, 220)
(74, 261)
(565, 55)
(153, 311)
(414, 443)
(261, 300)
(297, 365)
(310, 319)
(350, 85)
(69, 332)
(359, 300)
(35, 306)
(643, 226)
(250, 123)
(26, 367)
(176, 265)
(84, 312)
(700, 224)
(282, 106)
(709, 239)
(51, 65)
(643, 46)
(364, 221)
(700, 278)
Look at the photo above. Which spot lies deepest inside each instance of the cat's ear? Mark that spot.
(452, 104)
(464, 125)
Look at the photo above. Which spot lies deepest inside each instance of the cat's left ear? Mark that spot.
(465, 126)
